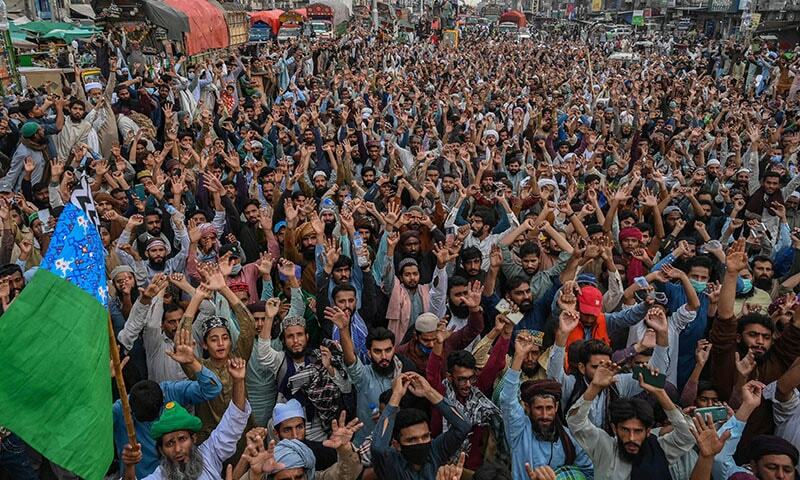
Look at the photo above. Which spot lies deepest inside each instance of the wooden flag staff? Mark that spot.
(123, 393)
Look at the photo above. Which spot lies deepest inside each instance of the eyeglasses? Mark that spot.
(464, 380)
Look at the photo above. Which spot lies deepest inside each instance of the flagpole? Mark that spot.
(123, 392)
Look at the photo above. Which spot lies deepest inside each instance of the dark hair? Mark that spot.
(343, 262)
(761, 258)
(699, 261)
(77, 101)
(594, 347)
(460, 358)
(486, 215)
(456, 281)
(256, 307)
(367, 170)
(9, 269)
(622, 409)
(627, 214)
(755, 319)
(491, 471)
(515, 282)
(470, 253)
(529, 248)
(771, 173)
(407, 417)
(704, 386)
(377, 334)
(146, 399)
(253, 202)
(172, 307)
(342, 288)
(644, 227)
(385, 396)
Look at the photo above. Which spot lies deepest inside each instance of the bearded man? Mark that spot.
(175, 434)
(76, 131)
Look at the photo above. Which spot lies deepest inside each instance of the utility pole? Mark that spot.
(375, 16)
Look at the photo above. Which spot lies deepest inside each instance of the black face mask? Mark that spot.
(416, 454)
(459, 311)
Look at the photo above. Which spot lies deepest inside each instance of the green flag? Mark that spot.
(55, 383)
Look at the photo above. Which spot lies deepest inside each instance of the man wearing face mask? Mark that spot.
(402, 446)
(750, 340)
(247, 274)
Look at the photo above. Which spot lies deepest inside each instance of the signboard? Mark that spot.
(756, 20)
(290, 17)
(721, 5)
(597, 5)
(492, 11)
(648, 12)
(638, 18)
(449, 39)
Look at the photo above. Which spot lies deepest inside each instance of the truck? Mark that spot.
(264, 25)
(291, 24)
(512, 23)
(321, 19)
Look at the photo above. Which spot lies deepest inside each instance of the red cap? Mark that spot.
(590, 301)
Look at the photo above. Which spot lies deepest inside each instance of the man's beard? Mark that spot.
(629, 457)
(191, 470)
(308, 253)
(383, 371)
(76, 120)
(763, 284)
(329, 227)
(459, 311)
(757, 356)
(546, 433)
(530, 372)
(157, 265)
(369, 183)
(525, 306)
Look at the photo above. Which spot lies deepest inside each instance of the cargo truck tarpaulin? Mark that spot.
(207, 27)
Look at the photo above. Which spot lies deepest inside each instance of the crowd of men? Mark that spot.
(357, 259)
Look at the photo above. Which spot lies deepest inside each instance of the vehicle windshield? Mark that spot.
(319, 27)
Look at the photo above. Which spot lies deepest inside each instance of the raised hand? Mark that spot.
(736, 260)
(156, 286)
(236, 368)
(705, 434)
(751, 393)
(646, 386)
(337, 316)
(702, 351)
(568, 320)
(212, 276)
(286, 268)
(605, 374)
(544, 472)
(342, 431)
(262, 461)
(568, 300)
(265, 264)
(332, 252)
(746, 364)
(656, 319)
(184, 347)
(442, 254)
(452, 471)
(474, 295)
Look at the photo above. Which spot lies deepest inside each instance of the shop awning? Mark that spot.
(69, 35)
(175, 22)
(83, 10)
(207, 27)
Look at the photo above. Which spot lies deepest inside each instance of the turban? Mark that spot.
(305, 229)
(214, 322)
(294, 454)
(548, 181)
(533, 388)
(207, 228)
(630, 232)
(772, 445)
(120, 269)
(293, 321)
(29, 129)
(92, 86)
(285, 411)
(155, 243)
(408, 234)
(426, 323)
(405, 263)
(174, 418)
(492, 133)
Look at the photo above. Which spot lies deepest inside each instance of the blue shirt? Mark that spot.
(185, 392)
(525, 447)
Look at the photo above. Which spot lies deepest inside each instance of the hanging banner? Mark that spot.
(638, 18)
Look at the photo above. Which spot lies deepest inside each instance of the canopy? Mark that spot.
(341, 13)
(84, 10)
(69, 35)
(175, 22)
(270, 17)
(207, 27)
(514, 16)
